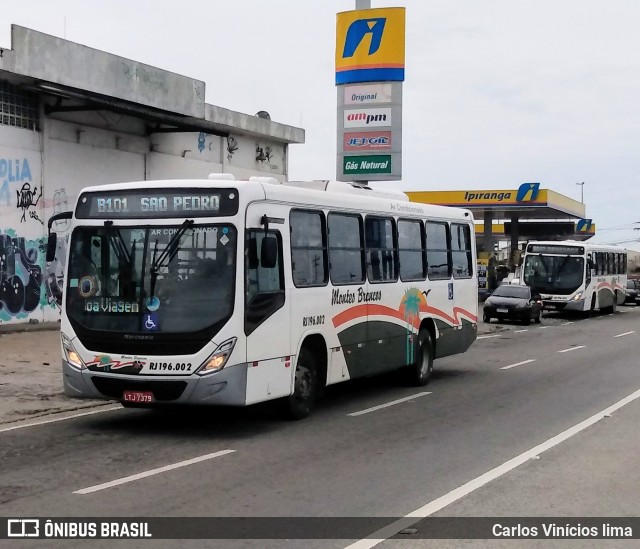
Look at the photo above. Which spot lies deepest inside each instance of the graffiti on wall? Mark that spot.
(232, 147)
(20, 275)
(54, 271)
(12, 171)
(28, 198)
(54, 283)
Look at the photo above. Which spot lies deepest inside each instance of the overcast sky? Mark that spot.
(497, 92)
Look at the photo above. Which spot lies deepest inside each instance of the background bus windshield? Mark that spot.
(554, 274)
(169, 279)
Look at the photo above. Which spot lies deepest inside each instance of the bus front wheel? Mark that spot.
(305, 386)
(422, 367)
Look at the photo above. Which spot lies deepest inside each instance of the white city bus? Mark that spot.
(576, 276)
(228, 292)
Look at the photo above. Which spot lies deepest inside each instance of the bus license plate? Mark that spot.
(137, 396)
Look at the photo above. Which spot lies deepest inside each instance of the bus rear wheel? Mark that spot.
(422, 368)
(305, 386)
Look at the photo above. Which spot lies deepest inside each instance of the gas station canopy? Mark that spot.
(526, 202)
(525, 212)
(563, 230)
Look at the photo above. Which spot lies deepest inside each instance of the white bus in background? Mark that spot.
(576, 276)
(227, 292)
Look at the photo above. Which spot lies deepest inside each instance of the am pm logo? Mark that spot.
(528, 192)
(367, 118)
(370, 45)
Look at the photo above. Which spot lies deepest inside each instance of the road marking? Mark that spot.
(626, 333)
(519, 331)
(518, 364)
(543, 327)
(151, 472)
(572, 349)
(487, 337)
(566, 323)
(375, 408)
(443, 501)
(45, 421)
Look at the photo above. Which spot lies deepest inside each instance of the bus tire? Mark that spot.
(305, 386)
(422, 368)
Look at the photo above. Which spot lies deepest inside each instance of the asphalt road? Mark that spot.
(513, 391)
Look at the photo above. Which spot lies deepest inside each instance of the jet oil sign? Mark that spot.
(367, 141)
(367, 118)
(356, 165)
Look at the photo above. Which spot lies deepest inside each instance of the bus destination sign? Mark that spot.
(157, 203)
(555, 249)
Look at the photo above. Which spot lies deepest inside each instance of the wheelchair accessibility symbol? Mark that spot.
(150, 322)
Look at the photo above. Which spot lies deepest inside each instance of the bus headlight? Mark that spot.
(71, 354)
(577, 296)
(219, 358)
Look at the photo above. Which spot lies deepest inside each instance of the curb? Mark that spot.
(28, 327)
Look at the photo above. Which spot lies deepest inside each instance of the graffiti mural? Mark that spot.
(54, 283)
(232, 147)
(20, 275)
(12, 171)
(28, 198)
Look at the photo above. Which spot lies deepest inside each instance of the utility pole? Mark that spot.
(581, 191)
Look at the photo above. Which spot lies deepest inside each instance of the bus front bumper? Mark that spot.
(225, 388)
(573, 305)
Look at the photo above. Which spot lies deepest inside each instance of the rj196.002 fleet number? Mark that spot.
(177, 367)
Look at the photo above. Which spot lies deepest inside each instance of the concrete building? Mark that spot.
(72, 116)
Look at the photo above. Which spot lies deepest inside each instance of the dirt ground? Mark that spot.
(31, 378)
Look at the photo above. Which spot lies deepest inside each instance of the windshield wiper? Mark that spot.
(169, 252)
(117, 243)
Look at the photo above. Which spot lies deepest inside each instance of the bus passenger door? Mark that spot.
(266, 320)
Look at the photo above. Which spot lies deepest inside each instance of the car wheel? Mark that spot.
(486, 317)
(527, 321)
(305, 386)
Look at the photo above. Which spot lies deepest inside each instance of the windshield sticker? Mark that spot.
(108, 305)
(224, 240)
(88, 286)
(73, 283)
(151, 323)
(152, 303)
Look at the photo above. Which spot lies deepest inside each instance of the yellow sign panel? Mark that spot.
(370, 45)
(480, 198)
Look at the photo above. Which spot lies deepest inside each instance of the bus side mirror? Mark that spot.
(51, 247)
(252, 253)
(269, 252)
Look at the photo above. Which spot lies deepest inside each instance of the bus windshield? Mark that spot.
(553, 274)
(166, 279)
